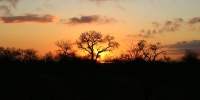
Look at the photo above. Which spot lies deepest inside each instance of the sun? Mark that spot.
(101, 58)
(98, 59)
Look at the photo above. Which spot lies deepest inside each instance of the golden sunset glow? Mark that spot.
(38, 24)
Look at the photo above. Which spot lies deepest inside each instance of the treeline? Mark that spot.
(137, 54)
(137, 74)
(94, 43)
(17, 55)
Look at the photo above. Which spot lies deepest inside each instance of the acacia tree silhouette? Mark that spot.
(94, 41)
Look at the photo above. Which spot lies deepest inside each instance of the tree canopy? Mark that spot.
(94, 43)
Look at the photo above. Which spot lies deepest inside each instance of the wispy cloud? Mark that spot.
(101, 1)
(29, 18)
(144, 34)
(159, 28)
(93, 19)
(12, 2)
(194, 20)
(5, 9)
(98, 1)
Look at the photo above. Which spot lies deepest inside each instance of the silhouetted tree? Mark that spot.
(1, 49)
(145, 51)
(29, 55)
(49, 57)
(94, 43)
(1, 53)
(11, 54)
(155, 50)
(65, 47)
(190, 56)
(65, 51)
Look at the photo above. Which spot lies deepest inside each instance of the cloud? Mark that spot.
(194, 20)
(91, 19)
(186, 44)
(168, 26)
(155, 24)
(171, 26)
(98, 1)
(12, 2)
(28, 18)
(5, 9)
(181, 46)
(144, 34)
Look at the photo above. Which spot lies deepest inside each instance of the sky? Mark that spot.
(38, 24)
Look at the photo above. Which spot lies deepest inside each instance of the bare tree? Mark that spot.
(29, 55)
(156, 49)
(65, 48)
(145, 51)
(94, 41)
(138, 51)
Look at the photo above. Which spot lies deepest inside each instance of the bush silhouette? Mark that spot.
(190, 56)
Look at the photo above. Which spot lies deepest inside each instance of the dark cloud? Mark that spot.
(194, 20)
(186, 44)
(12, 2)
(91, 19)
(181, 46)
(28, 18)
(5, 9)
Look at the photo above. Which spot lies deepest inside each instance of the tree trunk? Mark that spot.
(92, 56)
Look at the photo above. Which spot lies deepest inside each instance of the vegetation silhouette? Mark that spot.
(93, 43)
(190, 56)
(136, 75)
(142, 51)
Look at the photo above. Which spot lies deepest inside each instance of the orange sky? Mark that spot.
(39, 24)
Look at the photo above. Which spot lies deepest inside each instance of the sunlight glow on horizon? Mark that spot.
(127, 20)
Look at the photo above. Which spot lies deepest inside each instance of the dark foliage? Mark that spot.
(190, 56)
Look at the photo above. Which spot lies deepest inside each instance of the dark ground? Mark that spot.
(141, 81)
